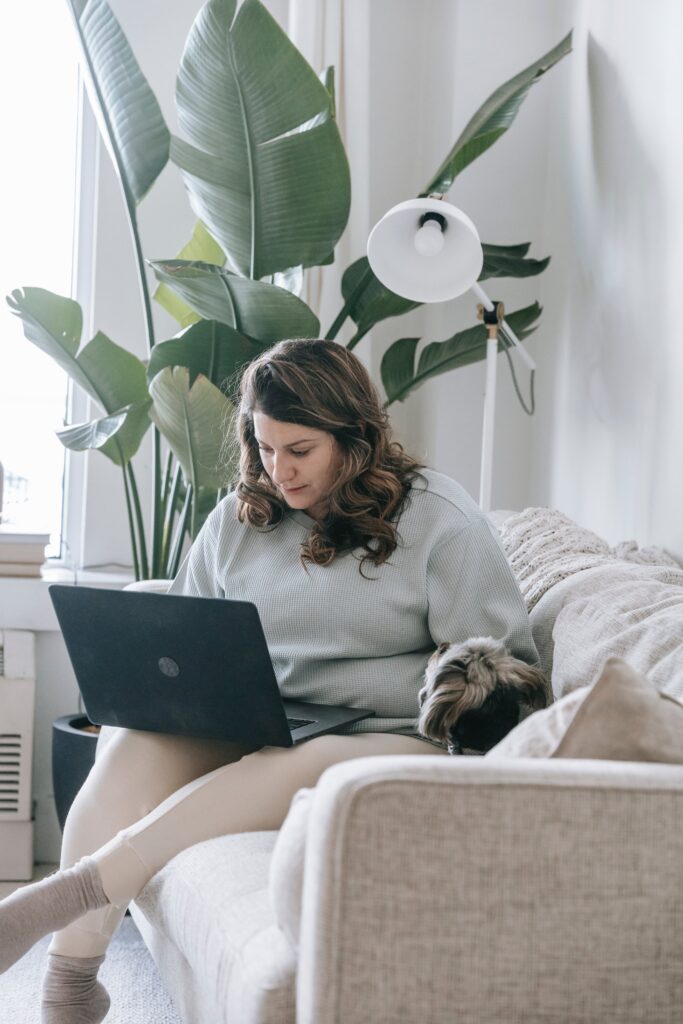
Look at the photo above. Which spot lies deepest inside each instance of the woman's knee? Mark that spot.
(135, 771)
(117, 791)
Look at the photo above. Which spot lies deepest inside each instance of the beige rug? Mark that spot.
(129, 974)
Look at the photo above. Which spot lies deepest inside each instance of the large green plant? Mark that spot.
(267, 177)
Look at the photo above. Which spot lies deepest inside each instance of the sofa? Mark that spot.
(464, 890)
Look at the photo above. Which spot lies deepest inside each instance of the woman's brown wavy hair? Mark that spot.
(321, 384)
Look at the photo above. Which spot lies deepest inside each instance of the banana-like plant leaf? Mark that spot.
(400, 376)
(493, 119)
(130, 117)
(117, 436)
(291, 280)
(53, 323)
(208, 347)
(122, 446)
(506, 261)
(194, 420)
(259, 310)
(118, 377)
(111, 375)
(264, 163)
(82, 437)
(374, 302)
(200, 247)
(398, 368)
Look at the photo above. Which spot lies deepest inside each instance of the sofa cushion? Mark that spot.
(287, 866)
(545, 546)
(213, 933)
(622, 717)
(589, 601)
(626, 611)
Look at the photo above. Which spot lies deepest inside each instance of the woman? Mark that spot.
(360, 562)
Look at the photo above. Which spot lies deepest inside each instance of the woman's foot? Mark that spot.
(71, 993)
(35, 910)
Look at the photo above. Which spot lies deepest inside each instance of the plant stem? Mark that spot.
(357, 337)
(156, 438)
(349, 304)
(166, 482)
(180, 532)
(168, 520)
(144, 564)
(131, 525)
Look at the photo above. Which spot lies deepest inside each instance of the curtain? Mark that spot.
(336, 32)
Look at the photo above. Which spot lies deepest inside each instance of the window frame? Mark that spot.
(82, 290)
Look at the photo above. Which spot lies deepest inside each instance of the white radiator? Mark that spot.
(17, 706)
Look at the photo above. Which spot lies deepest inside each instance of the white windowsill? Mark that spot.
(25, 602)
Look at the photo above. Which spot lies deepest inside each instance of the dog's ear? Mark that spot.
(528, 680)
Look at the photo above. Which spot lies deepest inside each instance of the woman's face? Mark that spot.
(301, 461)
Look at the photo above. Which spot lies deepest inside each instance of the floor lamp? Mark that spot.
(427, 250)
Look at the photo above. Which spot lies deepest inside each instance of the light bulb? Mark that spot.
(429, 239)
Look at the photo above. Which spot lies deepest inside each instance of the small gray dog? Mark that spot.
(476, 692)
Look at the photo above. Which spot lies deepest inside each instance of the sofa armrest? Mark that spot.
(476, 890)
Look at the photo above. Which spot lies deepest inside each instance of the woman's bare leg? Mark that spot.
(133, 773)
(249, 795)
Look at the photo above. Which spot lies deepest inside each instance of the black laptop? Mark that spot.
(189, 666)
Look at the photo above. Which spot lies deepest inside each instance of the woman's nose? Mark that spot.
(283, 467)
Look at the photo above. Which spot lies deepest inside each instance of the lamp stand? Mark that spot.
(492, 318)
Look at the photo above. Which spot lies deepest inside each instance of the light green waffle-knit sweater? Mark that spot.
(336, 637)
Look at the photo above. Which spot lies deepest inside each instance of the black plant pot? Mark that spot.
(74, 740)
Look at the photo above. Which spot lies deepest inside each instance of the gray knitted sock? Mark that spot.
(47, 906)
(71, 992)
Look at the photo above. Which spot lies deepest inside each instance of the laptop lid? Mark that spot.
(189, 666)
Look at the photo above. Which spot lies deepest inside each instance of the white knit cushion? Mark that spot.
(286, 876)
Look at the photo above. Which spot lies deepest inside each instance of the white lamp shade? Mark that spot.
(437, 273)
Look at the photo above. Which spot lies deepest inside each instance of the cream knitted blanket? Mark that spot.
(545, 546)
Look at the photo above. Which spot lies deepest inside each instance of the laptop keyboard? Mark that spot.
(296, 723)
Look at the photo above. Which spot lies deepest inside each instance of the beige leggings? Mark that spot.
(149, 796)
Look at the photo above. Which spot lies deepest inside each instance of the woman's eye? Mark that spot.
(300, 453)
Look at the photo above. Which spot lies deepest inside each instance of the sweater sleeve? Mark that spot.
(472, 592)
(198, 574)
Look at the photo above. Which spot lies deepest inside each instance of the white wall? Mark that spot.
(608, 447)
(434, 64)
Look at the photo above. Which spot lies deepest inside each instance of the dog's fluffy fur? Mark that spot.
(476, 692)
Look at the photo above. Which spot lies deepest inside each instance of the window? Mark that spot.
(39, 81)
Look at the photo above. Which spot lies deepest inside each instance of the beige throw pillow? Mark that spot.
(621, 718)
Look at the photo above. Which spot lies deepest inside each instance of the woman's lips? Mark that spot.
(294, 490)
